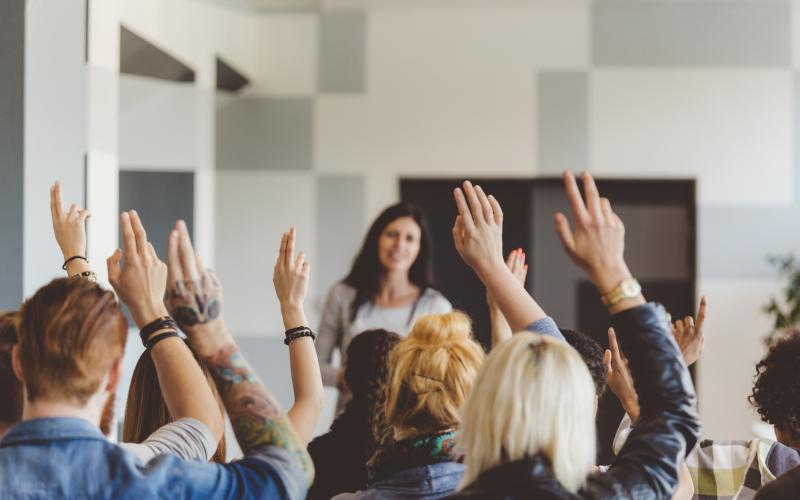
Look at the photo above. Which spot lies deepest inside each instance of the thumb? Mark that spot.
(607, 360)
(564, 232)
(114, 270)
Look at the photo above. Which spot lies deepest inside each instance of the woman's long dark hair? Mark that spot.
(367, 271)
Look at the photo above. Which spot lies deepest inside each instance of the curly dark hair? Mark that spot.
(776, 390)
(365, 375)
(592, 354)
(10, 386)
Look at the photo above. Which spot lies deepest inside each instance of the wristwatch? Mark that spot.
(627, 289)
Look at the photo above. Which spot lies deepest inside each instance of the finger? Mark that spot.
(592, 195)
(701, 312)
(113, 267)
(524, 275)
(151, 251)
(85, 214)
(306, 269)
(496, 210)
(475, 207)
(139, 232)
(607, 361)
(174, 271)
(282, 251)
(300, 260)
(128, 238)
(201, 268)
(186, 253)
(605, 205)
(289, 255)
(614, 346)
(73, 211)
(55, 200)
(458, 234)
(678, 327)
(564, 233)
(689, 323)
(512, 259)
(574, 198)
(488, 213)
(464, 213)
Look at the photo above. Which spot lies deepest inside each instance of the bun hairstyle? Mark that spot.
(431, 373)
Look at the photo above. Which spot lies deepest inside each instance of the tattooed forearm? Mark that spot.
(256, 416)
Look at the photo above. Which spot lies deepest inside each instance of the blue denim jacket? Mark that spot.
(69, 458)
(426, 482)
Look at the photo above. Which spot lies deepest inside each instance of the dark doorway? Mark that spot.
(660, 221)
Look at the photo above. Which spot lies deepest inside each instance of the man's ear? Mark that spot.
(114, 376)
(16, 363)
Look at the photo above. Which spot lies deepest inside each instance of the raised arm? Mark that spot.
(478, 237)
(290, 278)
(500, 328)
(668, 424)
(69, 228)
(195, 301)
(141, 284)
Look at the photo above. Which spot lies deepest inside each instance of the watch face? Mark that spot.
(630, 287)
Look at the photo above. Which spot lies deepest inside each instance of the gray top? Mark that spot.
(186, 438)
(336, 330)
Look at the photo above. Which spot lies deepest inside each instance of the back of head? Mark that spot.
(534, 396)
(146, 411)
(10, 386)
(776, 390)
(592, 354)
(71, 332)
(431, 373)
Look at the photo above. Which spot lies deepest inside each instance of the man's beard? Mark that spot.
(107, 417)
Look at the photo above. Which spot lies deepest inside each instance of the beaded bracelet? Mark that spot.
(162, 323)
(296, 333)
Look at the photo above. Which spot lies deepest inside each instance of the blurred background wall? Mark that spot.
(248, 116)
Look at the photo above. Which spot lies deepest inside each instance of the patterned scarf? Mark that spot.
(414, 452)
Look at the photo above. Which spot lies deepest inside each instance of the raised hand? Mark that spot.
(619, 376)
(478, 230)
(689, 334)
(194, 295)
(598, 242)
(69, 227)
(516, 264)
(290, 278)
(141, 282)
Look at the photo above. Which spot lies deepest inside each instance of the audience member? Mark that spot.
(340, 456)
(389, 286)
(10, 388)
(528, 426)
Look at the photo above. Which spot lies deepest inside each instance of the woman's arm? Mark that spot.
(69, 228)
(290, 278)
(329, 338)
(500, 328)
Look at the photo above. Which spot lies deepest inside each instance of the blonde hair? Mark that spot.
(431, 373)
(533, 396)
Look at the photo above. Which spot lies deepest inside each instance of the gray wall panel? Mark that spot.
(631, 33)
(264, 133)
(12, 129)
(563, 121)
(342, 52)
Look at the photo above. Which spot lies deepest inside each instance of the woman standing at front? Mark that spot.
(388, 287)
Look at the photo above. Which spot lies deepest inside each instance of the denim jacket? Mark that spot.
(69, 458)
(426, 481)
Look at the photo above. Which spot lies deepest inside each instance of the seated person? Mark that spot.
(71, 338)
(10, 388)
(528, 429)
(340, 456)
(749, 464)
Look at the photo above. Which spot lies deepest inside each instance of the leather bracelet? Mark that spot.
(296, 333)
(161, 336)
(64, 266)
(162, 323)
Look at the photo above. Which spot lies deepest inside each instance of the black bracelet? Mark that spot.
(161, 336)
(162, 323)
(64, 267)
(296, 333)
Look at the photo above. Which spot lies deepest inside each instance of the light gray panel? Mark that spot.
(12, 130)
(734, 241)
(342, 52)
(340, 212)
(635, 33)
(269, 357)
(264, 133)
(563, 123)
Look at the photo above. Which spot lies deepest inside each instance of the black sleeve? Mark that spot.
(647, 465)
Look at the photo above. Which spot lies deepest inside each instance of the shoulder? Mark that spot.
(435, 301)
